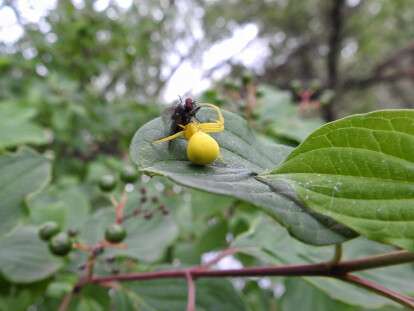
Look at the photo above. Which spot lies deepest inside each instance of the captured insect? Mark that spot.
(180, 114)
(202, 149)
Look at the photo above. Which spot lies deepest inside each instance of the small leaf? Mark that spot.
(21, 174)
(360, 172)
(24, 258)
(244, 157)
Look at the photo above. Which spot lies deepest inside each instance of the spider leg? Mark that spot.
(171, 137)
(220, 118)
(212, 127)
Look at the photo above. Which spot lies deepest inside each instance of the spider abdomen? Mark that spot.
(202, 149)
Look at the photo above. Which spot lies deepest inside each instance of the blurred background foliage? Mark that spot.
(79, 81)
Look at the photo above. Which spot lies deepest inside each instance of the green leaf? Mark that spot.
(312, 299)
(243, 158)
(16, 127)
(147, 239)
(281, 118)
(24, 258)
(271, 244)
(359, 171)
(68, 207)
(92, 298)
(171, 295)
(21, 174)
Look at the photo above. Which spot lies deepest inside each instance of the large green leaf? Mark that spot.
(16, 127)
(147, 239)
(21, 173)
(243, 157)
(272, 245)
(24, 258)
(171, 295)
(359, 171)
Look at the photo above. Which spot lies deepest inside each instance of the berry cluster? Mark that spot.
(128, 175)
(60, 243)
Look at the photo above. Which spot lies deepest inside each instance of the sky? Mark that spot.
(233, 47)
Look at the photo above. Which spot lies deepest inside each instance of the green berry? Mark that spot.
(48, 230)
(129, 174)
(107, 183)
(115, 233)
(60, 244)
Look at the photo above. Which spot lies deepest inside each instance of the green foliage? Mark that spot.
(271, 244)
(21, 174)
(82, 80)
(170, 295)
(16, 126)
(281, 119)
(25, 258)
(66, 205)
(359, 171)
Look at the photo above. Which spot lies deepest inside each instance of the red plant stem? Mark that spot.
(397, 297)
(191, 300)
(119, 208)
(317, 269)
(65, 302)
(377, 261)
(289, 270)
(338, 270)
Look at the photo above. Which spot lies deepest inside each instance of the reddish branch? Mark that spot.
(340, 270)
(191, 300)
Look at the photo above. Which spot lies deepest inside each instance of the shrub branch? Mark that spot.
(340, 270)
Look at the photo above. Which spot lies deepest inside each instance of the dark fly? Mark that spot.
(181, 113)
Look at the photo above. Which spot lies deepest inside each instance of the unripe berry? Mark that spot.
(129, 174)
(60, 244)
(107, 183)
(48, 230)
(115, 233)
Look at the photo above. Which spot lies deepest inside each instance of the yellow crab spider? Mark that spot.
(202, 149)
